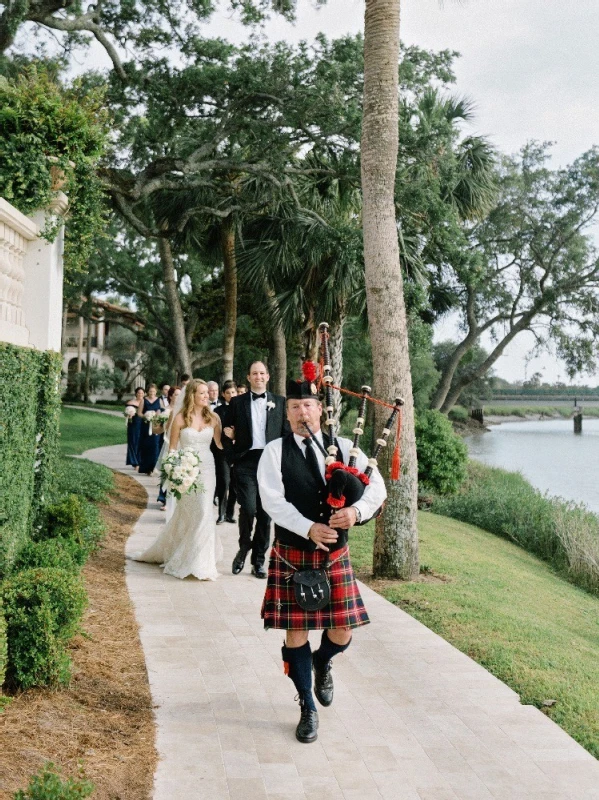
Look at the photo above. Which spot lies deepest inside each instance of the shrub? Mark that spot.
(442, 456)
(3, 644)
(48, 785)
(28, 442)
(59, 553)
(459, 414)
(42, 608)
(82, 477)
(76, 521)
(577, 530)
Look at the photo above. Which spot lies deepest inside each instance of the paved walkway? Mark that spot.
(413, 718)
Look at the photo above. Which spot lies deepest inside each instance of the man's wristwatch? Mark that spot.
(358, 515)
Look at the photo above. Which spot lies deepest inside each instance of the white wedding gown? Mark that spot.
(190, 544)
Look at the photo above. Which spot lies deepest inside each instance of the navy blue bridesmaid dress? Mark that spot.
(149, 443)
(133, 434)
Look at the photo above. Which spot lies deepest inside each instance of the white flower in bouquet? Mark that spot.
(129, 412)
(181, 472)
(149, 416)
(162, 416)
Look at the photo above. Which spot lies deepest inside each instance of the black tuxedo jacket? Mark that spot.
(238, 414)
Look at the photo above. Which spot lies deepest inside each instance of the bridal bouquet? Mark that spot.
(181, 472)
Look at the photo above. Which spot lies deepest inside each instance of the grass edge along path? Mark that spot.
(82, 430)
(507, 610)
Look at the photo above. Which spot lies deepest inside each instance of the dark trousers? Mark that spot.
(225, 487)
(250, 508)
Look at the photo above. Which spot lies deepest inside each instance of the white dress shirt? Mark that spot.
(259, 412)
(272, 490)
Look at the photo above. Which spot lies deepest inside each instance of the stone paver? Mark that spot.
(413, 718)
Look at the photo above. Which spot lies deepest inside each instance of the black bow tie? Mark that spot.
(258, 396)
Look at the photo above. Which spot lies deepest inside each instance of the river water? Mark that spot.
(548, 453)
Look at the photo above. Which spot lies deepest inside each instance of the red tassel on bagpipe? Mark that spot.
(336, 502)
(395, 461)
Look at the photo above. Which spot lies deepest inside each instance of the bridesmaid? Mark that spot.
(149, 443)
(134, 424)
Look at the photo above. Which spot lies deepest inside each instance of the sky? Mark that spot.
(530, 66)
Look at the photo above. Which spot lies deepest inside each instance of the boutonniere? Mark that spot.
(270, 405)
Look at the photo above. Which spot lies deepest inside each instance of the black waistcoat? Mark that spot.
(306, 493)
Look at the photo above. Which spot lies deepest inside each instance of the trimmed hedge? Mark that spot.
(3, 645)
(30, 406)
(43, 608)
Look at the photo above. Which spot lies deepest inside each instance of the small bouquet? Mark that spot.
(181, 472)
(129, 413)
(162, 416)
(149, 418)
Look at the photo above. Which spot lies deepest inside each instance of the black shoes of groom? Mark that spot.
(221, 519)
(239, 562)
(323, 684)
(258, 571)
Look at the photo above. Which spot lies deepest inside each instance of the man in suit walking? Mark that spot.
(225, 487)
(251, 421)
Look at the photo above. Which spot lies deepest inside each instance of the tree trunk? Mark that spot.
(88, 348)
(444, 386)
(227, 238)
(453, 394)
(336, 350)
(174, 305)
(396, 539)
(80, 346)
(279, 360)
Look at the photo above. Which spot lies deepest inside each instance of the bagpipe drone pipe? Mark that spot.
(346, 484)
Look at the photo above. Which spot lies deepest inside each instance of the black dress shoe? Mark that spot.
(323, 684)
(259, 572)
(307, 727)
(220, 520)
(239, 562)
(232, 520)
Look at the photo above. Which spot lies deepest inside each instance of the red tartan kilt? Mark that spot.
(280, 609)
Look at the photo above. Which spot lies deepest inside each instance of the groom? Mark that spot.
(251, 421)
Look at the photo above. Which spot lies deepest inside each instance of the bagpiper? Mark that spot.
(311, 583)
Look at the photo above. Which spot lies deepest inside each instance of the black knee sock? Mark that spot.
(298, 665)
(327, 650)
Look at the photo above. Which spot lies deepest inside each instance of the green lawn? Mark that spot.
(83, 430)
(507, 610)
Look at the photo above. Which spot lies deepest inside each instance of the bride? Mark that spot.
(189, 544)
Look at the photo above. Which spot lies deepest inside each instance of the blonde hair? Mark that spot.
(208, 416)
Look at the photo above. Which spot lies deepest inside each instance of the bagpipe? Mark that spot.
(345, 482)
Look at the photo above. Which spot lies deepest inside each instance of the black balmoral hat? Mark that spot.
(301, 390)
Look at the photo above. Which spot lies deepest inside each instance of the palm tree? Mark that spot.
(309, 260)
(396, 539)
